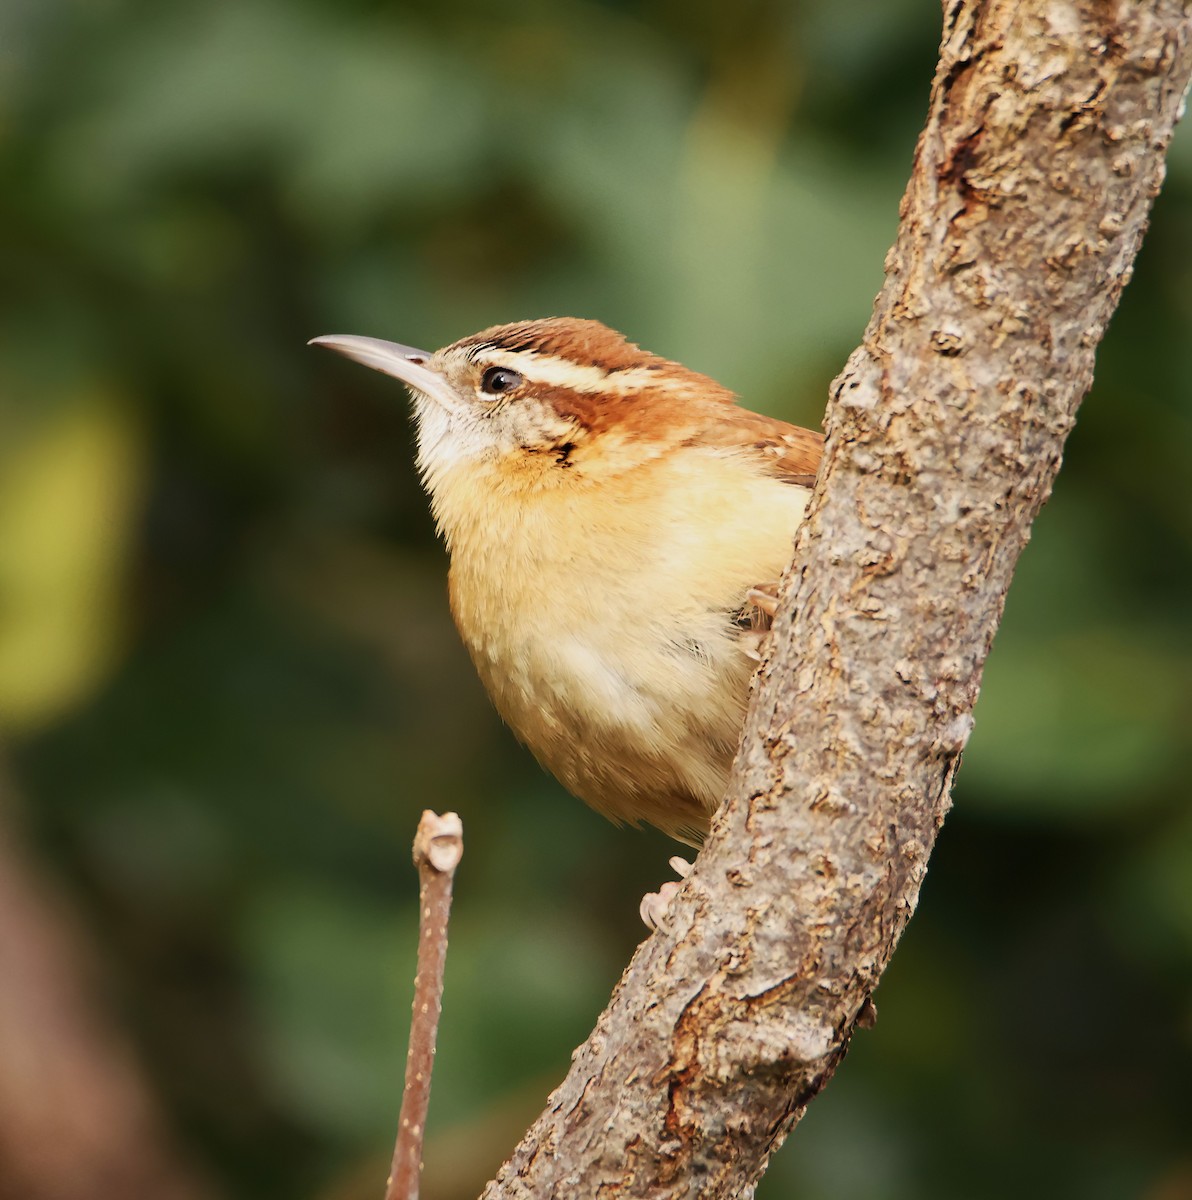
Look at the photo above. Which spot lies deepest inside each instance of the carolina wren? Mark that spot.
(615, 523)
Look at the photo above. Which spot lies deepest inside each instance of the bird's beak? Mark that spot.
(392, 358)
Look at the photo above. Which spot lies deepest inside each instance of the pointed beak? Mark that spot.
(392, 358)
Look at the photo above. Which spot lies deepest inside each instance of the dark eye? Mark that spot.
(499, 380)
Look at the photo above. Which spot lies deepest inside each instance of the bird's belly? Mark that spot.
(641, 731)
(605, 640)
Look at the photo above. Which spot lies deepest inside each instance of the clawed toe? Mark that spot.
(654, 905)
(764, 598)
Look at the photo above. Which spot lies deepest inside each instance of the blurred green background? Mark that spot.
(228, 678)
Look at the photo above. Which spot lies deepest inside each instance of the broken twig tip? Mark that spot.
(439, 841)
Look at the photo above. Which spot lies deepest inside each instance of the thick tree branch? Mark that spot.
(1032, 181)
(78, 1118)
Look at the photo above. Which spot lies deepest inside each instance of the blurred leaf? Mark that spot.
(1077, 725)
(331, 985)
(1152, 899)
(69, 495)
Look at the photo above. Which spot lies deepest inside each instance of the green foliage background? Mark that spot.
(227, 673)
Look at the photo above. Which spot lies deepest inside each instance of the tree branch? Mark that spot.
(438, 847)
(1032, 182)
(78, 1118)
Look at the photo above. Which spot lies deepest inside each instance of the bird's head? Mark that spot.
(542, 402)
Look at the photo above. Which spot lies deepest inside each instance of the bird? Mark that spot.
(616, 523)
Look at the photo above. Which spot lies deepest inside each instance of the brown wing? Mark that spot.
(790, 452)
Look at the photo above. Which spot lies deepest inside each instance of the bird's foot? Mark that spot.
(654, 905)
(764, 598)
(761, 603)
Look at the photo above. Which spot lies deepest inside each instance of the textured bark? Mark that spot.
(1032, 181)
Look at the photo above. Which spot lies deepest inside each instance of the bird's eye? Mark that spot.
(499, 380)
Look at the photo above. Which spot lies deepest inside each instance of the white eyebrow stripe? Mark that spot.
(576, 377)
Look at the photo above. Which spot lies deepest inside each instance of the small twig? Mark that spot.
(438, 847)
